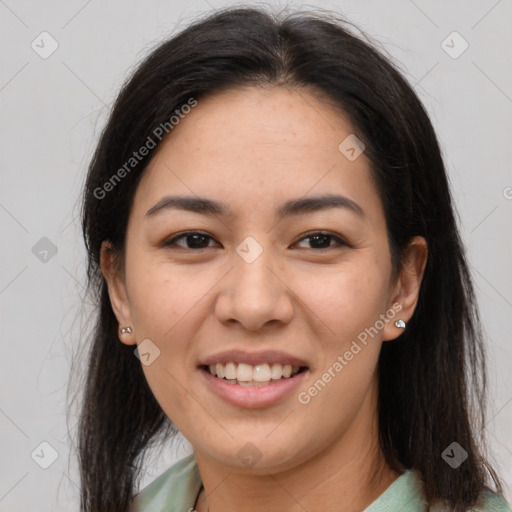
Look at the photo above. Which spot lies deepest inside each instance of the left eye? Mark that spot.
(322, 239)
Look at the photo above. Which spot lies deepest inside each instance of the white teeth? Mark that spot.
(219, 368)
(276, 371)
(246, 374)
(230, 371)
(261, 373)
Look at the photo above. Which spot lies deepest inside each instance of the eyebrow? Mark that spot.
(293, 207)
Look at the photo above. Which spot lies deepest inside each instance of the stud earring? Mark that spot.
(126, 330)
(401, 324)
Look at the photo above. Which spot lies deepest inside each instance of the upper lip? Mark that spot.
(253, 358)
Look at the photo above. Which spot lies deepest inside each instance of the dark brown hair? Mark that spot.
(431, 381)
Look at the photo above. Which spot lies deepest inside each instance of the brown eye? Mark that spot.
(193, 240)
(321, 240)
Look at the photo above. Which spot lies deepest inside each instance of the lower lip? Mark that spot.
(251, 397)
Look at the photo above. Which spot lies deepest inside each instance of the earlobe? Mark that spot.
(408, 285)
(117, 293)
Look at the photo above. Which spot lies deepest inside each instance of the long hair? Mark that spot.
(431, 381)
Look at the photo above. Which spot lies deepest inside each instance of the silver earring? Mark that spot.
(126, 330)
(401, 324)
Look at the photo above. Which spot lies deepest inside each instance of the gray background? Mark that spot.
(52, 112)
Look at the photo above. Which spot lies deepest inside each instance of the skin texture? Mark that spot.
(255, 148)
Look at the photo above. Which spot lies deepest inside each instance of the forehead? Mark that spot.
(254, 145)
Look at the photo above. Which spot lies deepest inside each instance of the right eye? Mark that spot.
(194, 240)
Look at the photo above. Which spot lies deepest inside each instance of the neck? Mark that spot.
(349, 474)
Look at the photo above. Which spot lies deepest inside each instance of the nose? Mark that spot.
(254, 294)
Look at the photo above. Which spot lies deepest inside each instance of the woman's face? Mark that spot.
(257, 283)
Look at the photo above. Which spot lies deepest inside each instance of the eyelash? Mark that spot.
(309, 235)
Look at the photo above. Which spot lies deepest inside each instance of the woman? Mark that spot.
(271, 233)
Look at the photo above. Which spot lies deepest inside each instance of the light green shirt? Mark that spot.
(177, 489)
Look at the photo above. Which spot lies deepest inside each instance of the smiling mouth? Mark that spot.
(243, 374)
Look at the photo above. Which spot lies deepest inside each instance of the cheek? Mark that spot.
(163, 301)
(345, 299)
(162, 295)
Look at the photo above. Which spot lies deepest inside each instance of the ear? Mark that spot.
(407, 286)
(117, 292)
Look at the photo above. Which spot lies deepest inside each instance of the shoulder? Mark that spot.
(488, 502)
(491, 502)
(406, 494)
(175, 489)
